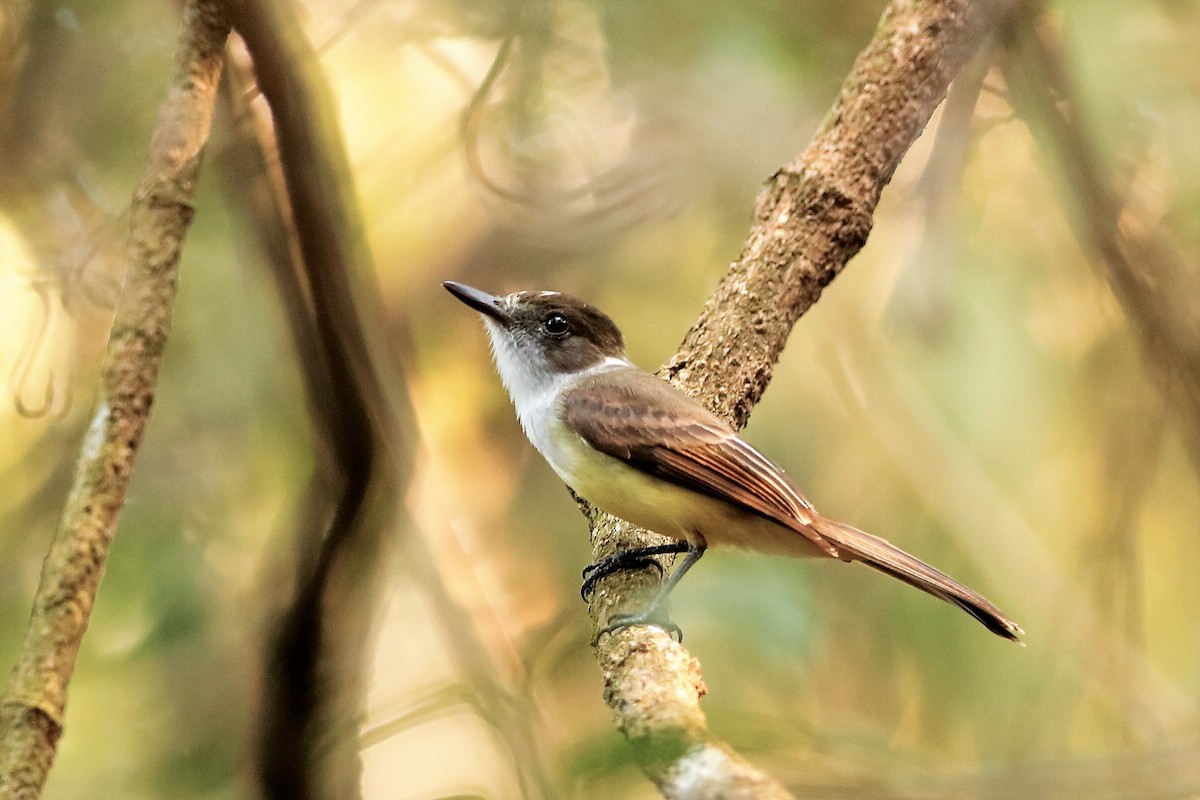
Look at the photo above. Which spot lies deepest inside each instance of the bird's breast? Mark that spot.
(663, 507)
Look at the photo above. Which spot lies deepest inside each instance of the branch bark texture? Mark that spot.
(34, 702)
(812, 216)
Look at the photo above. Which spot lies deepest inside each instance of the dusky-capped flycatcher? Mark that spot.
(637, 447)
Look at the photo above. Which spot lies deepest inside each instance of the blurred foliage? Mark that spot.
(969, 388)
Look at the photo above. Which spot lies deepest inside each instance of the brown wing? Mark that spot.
(653, 427)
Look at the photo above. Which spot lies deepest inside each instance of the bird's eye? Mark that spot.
(556, 325)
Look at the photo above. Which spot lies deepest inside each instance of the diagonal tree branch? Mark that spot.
(813, 215)
(34, 702)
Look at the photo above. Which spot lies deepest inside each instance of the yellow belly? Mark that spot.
(666, 508)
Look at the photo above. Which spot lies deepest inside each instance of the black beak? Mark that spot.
(482, 302)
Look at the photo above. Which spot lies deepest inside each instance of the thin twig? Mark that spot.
(813, 215)
(257, 182)
(14, 15)
(316, 682)
(76, 243)
(1155, 285)
(34, 702)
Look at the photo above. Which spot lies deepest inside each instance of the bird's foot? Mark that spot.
(651, 616)
(632, 559)
(638, 558)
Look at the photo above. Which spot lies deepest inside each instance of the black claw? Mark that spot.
(626, 560)
(594, 573)
(653, 614)
(619, 622)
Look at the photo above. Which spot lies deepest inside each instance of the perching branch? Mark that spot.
(34, 702)
(813, 215)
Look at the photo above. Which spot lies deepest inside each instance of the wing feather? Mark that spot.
(653, 427)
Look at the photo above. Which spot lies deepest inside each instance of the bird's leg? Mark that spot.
(637, 558)
(653, 613)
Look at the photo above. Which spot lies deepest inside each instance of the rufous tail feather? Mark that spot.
(880, 554)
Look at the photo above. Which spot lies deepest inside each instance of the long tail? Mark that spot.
(856, 545)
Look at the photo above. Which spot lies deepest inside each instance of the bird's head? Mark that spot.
(540, 337)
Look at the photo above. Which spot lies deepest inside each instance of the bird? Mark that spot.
(642, 450)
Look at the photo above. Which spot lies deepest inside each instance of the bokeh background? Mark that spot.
(970, 388)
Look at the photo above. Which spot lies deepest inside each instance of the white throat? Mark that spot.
(535, 388)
